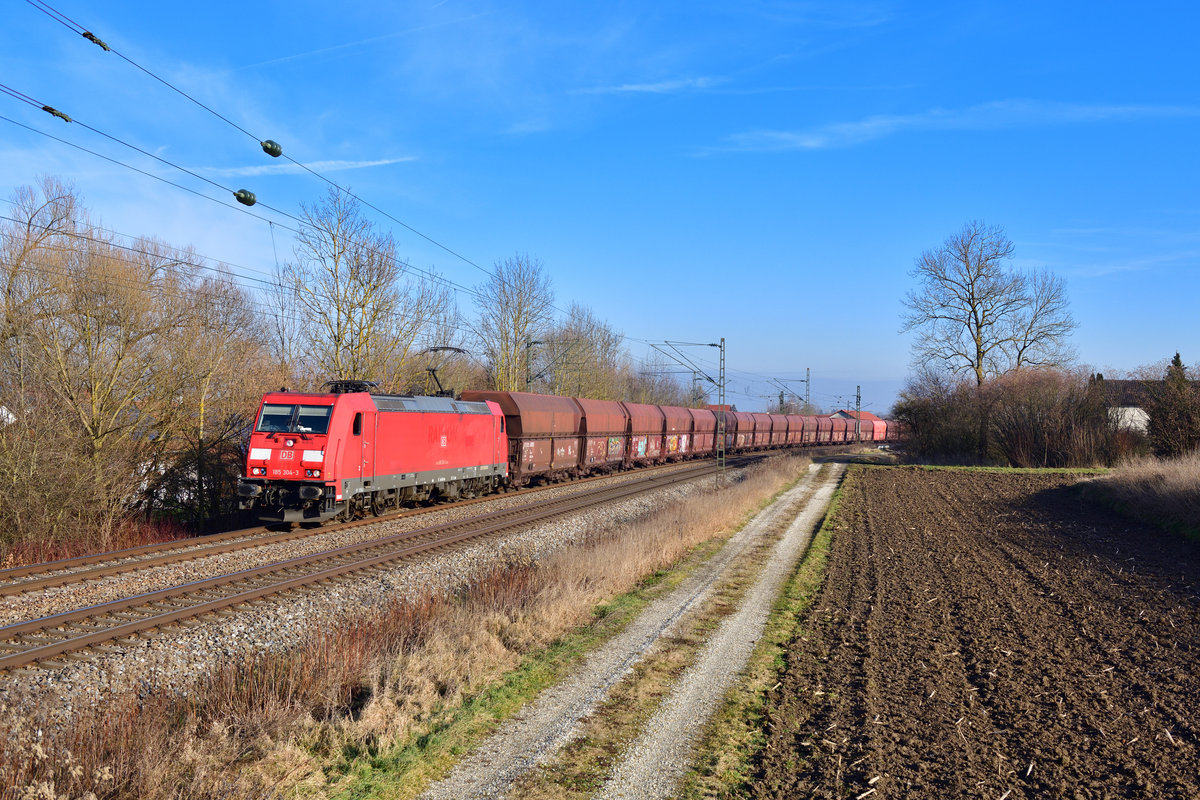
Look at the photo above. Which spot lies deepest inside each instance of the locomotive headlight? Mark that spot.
(258, 471)
(312, 473)
(290, 442)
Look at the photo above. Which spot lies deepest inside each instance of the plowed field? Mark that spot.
(990, 635)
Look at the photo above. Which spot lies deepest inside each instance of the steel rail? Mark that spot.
(161, 612)
(63, 572)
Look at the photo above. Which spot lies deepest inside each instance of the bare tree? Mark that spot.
(119, 364)
(515, 308)
(360, 312)
(43, 221)
(220, 364)
(654, 382)
(974, 315)
(582, 357)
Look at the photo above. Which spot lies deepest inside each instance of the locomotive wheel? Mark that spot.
(377, 504)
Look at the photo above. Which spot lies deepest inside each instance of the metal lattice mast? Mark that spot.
(858, 413)
(721, 413)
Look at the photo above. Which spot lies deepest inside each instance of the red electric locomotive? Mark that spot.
(317, 456)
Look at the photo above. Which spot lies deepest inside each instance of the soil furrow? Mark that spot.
(1016, 643)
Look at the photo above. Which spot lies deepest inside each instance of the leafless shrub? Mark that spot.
(941, 417)
(1027, 418)
(1050, 418)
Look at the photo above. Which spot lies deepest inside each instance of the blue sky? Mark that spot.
(763, 171)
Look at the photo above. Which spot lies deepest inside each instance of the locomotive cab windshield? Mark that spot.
(280, 418)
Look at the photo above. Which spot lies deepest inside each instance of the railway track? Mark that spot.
(40, 641)
(36, 577)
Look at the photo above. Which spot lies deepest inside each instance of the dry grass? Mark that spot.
(1162, 492)
(403, 688)
(126, 534)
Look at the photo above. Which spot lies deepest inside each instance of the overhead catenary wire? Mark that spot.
(428, 274)
(260, 307)
(82, 31)
(215, 267)
(268, 146)
(79, 29)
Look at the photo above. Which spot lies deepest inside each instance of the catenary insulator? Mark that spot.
(272, 148)
(245, 197)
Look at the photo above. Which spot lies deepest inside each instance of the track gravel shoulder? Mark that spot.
(989, 635)
(550, 722)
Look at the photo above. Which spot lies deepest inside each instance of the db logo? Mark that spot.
(287, 455)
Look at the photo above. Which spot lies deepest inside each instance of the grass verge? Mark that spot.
(733, 738)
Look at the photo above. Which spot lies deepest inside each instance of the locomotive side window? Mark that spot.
(358, 424)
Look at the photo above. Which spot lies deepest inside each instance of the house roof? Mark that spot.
(846, 413)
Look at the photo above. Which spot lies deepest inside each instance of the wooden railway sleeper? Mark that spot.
(87, 627)
(166, 606)
(38, 641)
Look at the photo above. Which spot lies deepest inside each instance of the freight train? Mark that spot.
(349, 452)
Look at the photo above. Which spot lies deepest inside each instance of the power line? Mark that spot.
(270, 147)
(267, 145)
(259, 305)
(428, 274)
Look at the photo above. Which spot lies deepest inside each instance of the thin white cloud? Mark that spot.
(987, 116)
(527, 127)
(661, 87)
(1173, 260)
(288, 168)
(360, 43)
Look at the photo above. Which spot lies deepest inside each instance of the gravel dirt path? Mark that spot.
(550, 722)
(654, 764)
(989, 635)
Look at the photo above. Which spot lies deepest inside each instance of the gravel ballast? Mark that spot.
(170, 662)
